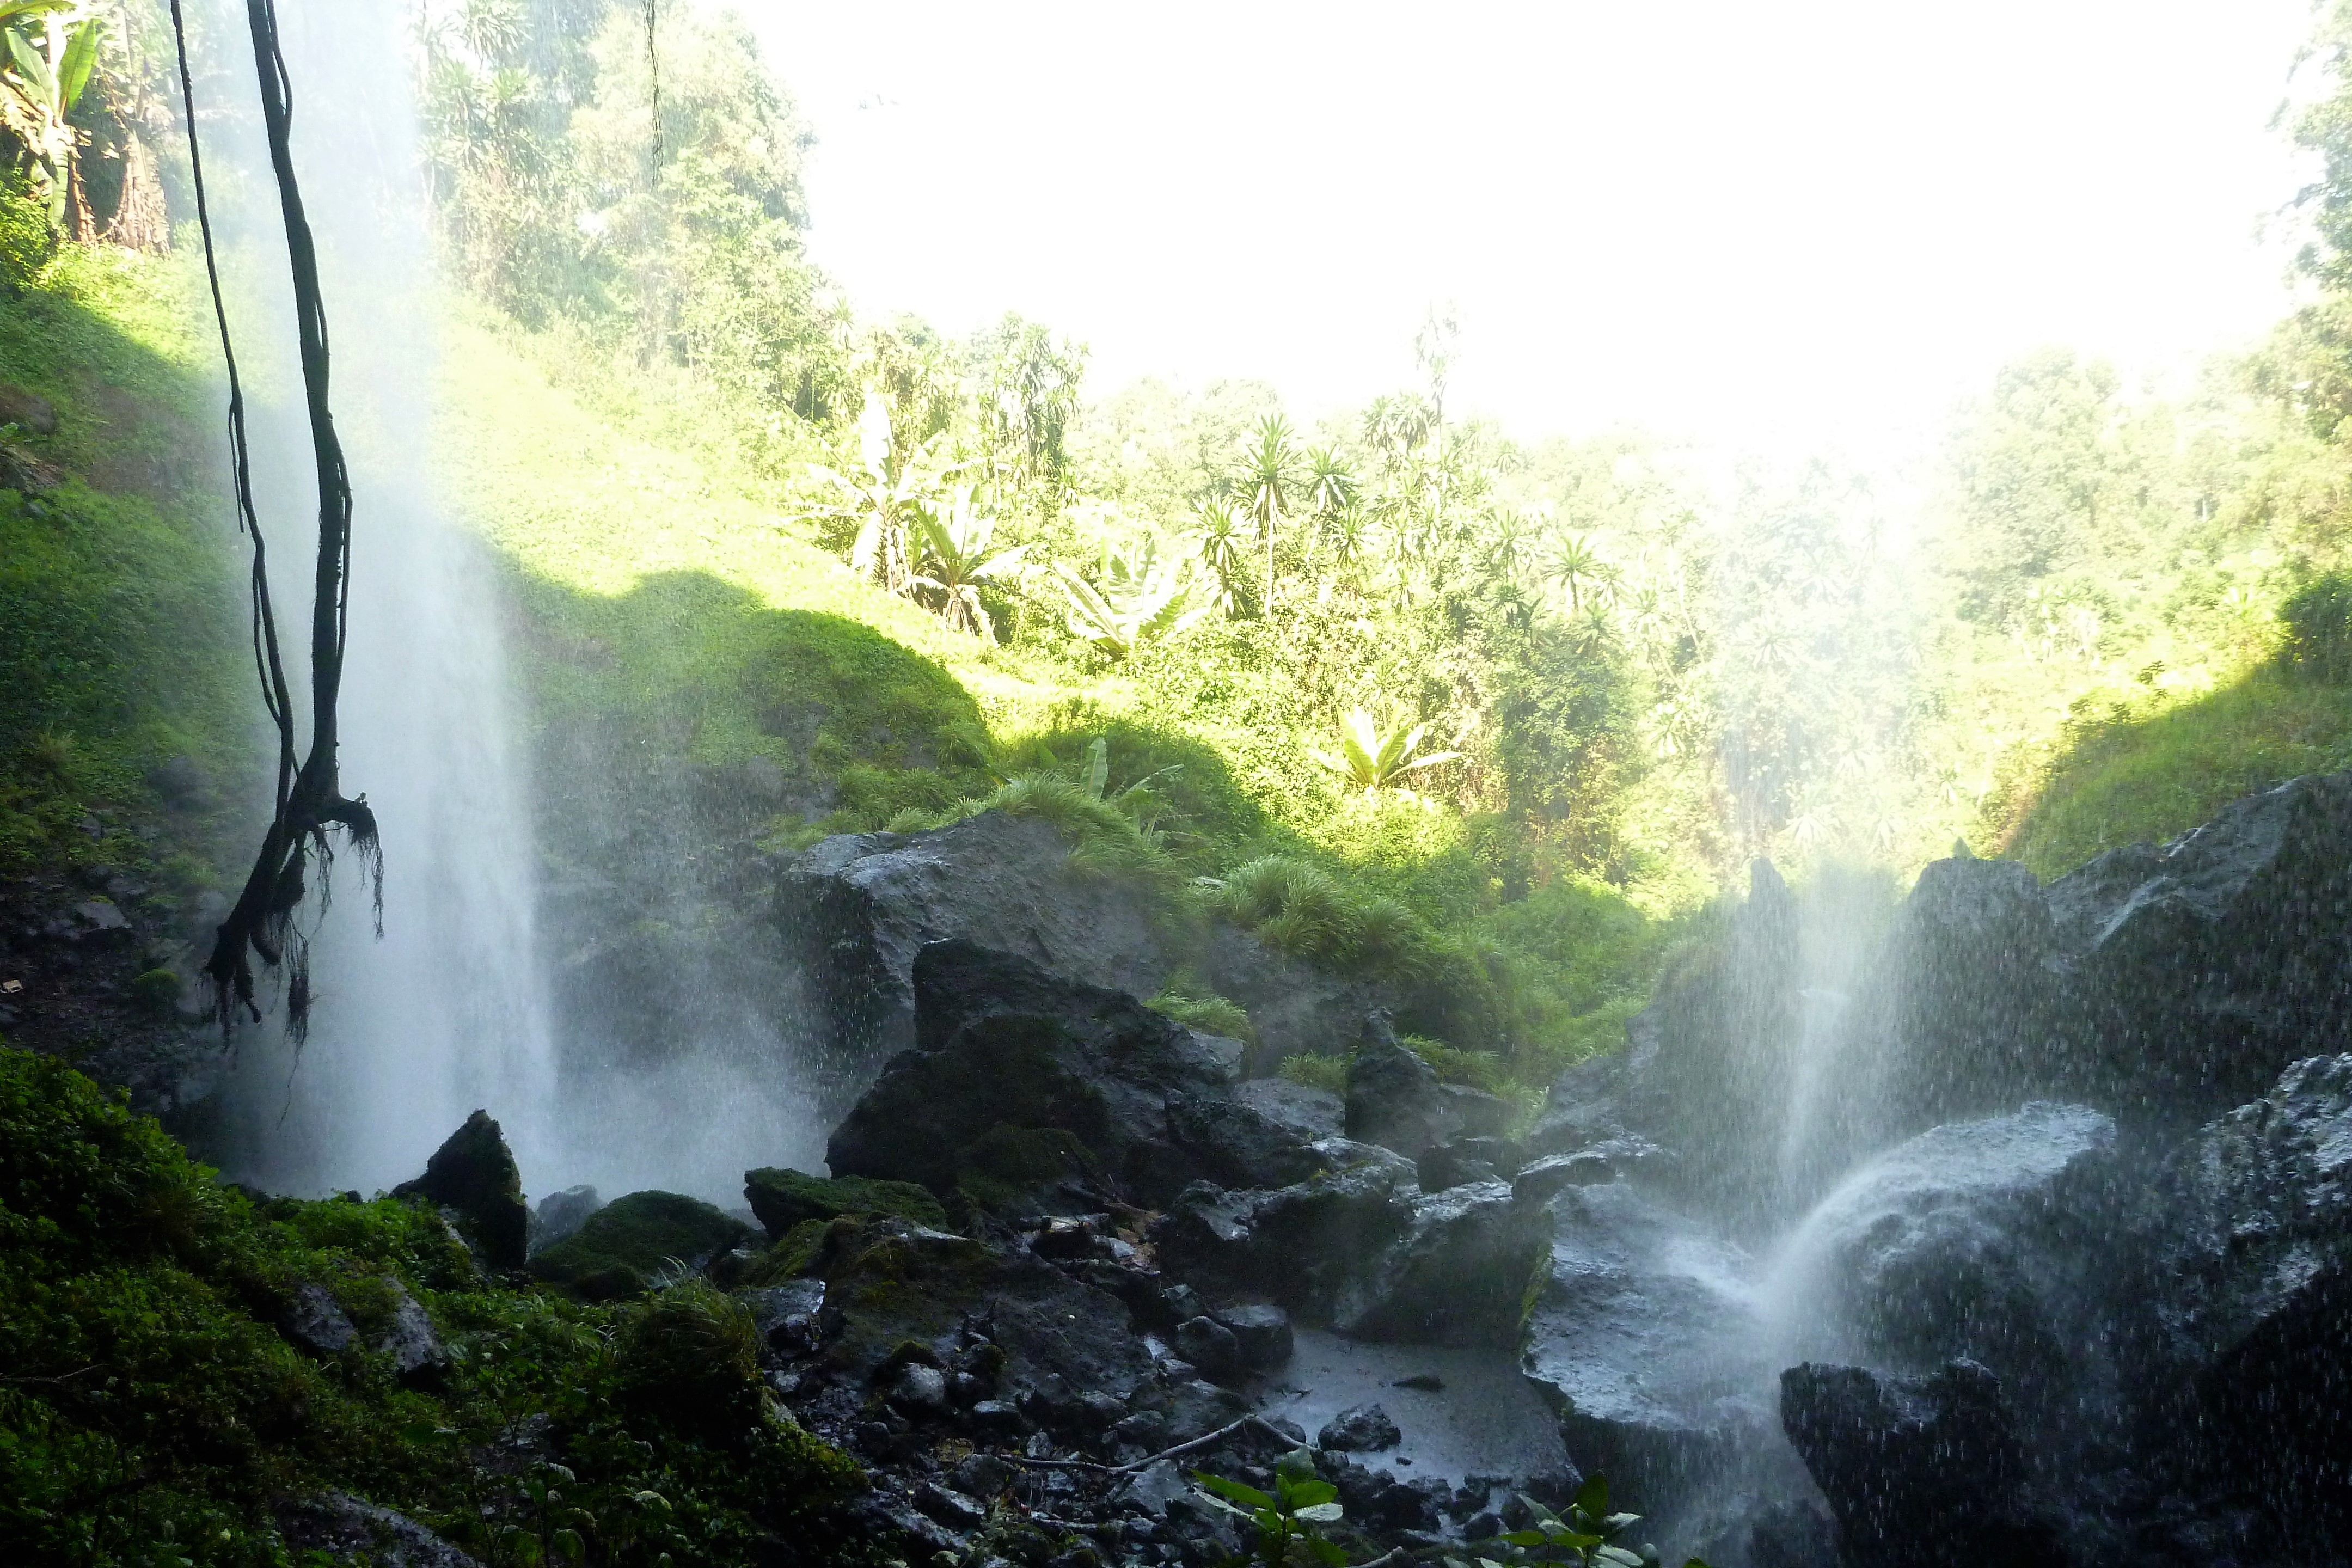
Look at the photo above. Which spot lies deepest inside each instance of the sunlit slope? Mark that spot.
(2148, 777)
(658, 594)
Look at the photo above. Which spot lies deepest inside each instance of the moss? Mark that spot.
(151, 1402)
(785, 1200)
(1007, 1170)
(797, 1253)
(632, 1241)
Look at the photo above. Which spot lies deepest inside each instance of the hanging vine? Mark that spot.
(309, 799)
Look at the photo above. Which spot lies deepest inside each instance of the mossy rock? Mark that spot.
(799, 1253)
(1020, 1171)
(630, 1242)
(784, 1199)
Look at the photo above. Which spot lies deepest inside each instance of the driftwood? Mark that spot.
(1208, 1441)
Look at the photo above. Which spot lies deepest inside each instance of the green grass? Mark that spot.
(2134, 777)
(122, 628)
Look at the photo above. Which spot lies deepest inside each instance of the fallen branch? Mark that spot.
(1209, 1441)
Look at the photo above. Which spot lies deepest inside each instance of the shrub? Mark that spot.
(690, 1354)
(2318, 618)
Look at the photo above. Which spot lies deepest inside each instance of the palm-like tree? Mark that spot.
(1269, 470)
(1374, 759)
(1140, 599)
(39, 87)
(959, 554)
(1220, 553)
(1578, 569)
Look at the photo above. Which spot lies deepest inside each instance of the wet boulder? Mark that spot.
(859, 909)
(314, 1320)
(894, 1283)
(474, 1176)
(1988, 1241)
(1058, 1094)
(2254, 1296)
(784, 1198)
(2201, 968)
(1457, 1274)
(1359, 1429)
(1395, 1100)
(629, 1243)
(1302, 1245)
(1920, 1473)
(1307, 1113)
(1646, 1340)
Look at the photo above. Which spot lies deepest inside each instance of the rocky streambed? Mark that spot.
(2059, 1271)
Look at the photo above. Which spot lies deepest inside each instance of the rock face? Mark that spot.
(1027, 1092)
(474, 1173)
(1924, 1473)
(856, 910)
(560, 1215)
(1456, 1276)
(859, 909)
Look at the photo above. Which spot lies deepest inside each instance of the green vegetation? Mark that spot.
(152, 1410)
(633, 1244)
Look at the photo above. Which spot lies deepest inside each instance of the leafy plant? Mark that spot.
(884, 499)
(1220, 551)
(1588, 1537)
(1288, 1522)
(1140, 600)
(1374, 759)
(958, 554)
(39, 87)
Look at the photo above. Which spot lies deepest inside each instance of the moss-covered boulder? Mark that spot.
(474, 1174)
(630, 1242)
(785, 1198)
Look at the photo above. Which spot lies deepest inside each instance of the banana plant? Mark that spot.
(41, 83)
(1140, 600)
(1589, 1536)
(1374, 759)
(883, 504)
(958, 554)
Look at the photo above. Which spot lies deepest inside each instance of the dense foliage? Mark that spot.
(154, 1411)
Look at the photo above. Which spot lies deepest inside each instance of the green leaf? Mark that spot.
(1592, 1496)
(81, 54)
(1618, 1557)
(1321, 1513)
(1233, 1491)
(1306, 1494)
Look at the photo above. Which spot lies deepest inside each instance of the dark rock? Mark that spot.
(951, 1507)
(1458, 1274)
(981, 1476)
(786, 1315)
(474, 1173)
(1029, 1092)
(1395, 1100)
(1154, 1488)
(1303, 1244)
(1195, 1408)
(350, 1531)
(1307, 1113)
(1979, 1240)
(1537, 1183)
(1462, 1160)
(314, 1321)
(1262, 1334)
(1359, 1429)
(2254, 1299)
(917, 1389)
(630, 1242)
(407, 1336)
(883, 1518)
(893, 1282)
(1209, 1345)
(1925, 1473)
(782, 1199)
(26, 410)
(1236, 1144)
(1645, 1338)
(560, 1215)
(860, 908)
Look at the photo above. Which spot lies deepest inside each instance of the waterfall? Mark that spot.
(448, 1011)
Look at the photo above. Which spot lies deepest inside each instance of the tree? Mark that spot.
(1219, 527)
(883, 499)
(1374, 759)
(1269, 468)
(1140, 599)
(1577, 570)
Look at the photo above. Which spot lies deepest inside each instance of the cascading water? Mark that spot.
(448, 1010)
(668, 1061)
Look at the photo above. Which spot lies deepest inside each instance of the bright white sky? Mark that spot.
(1774, 225)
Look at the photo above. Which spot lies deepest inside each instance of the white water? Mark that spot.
(448, 1011)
